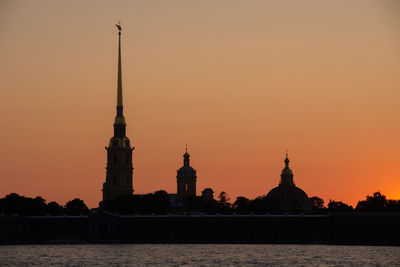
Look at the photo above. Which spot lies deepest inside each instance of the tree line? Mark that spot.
(376, 202)
(14, 204)
(159, 203)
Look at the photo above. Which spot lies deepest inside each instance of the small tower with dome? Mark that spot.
(186, 178)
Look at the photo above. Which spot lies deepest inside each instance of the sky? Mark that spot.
(237, 81)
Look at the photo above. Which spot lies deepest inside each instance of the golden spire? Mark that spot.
(119, 87)
(119, 123)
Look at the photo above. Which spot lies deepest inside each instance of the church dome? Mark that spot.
(186, 170)
(287, 196)
(283, 193)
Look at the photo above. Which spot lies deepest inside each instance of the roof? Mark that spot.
(186, 170)
(283, 193)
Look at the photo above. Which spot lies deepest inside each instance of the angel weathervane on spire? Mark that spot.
(119, 26)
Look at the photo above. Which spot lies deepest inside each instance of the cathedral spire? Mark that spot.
(119, 86)
(119, 174)
(119, 124)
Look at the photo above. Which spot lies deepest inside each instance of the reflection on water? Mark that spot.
(197, 255)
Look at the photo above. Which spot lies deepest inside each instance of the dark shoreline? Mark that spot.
(103, 228)
(118, 242)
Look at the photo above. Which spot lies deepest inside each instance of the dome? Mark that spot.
(287, 194)
(287, 197)
(186, 170)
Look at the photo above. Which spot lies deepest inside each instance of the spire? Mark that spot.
(287, 174)
(119, 86)
(119, 124)
(286, 160)
(186, 157)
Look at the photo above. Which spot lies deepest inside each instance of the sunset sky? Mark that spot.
(238, 81)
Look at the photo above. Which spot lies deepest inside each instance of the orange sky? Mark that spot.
(238, 81)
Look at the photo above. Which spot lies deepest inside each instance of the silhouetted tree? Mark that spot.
(259, 204)
(317, 203)
(339, 206)
(378, 203)
(393, 205)
(223, 199)
(223, 202)
(37, 205)
(14, 203)
(242, 205)
(76, 207)
(53, 208)
(207, 202)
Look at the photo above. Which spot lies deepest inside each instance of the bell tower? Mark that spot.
(119, 151)
(186, 178)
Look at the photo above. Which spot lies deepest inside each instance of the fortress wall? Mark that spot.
(329, 229)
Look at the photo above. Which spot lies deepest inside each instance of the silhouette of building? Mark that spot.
(175, 201)
(186, 178)
(119, 151)
(208, 195)
(287, 197)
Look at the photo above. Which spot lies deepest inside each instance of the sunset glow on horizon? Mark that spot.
(238, 81)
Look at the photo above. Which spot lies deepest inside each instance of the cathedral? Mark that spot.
(119, 151)
(287, 197)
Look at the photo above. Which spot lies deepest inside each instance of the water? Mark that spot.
(198, 255)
